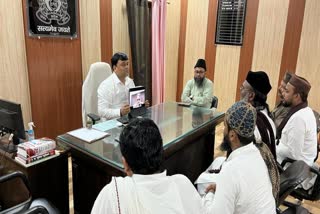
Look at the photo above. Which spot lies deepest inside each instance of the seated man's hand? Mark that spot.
(211, 188)
(125, 110)
(147, 104)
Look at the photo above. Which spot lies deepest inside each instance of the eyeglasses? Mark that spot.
(199, 72)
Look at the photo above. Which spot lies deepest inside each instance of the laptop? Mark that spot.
(137, 97)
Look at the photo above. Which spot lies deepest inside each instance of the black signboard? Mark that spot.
(230, 22)
(52, 18)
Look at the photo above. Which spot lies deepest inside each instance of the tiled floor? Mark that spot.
(313, 207)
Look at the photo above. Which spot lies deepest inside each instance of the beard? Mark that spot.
(199, 81)
(225, 146)
(286, 104)
(244, 97)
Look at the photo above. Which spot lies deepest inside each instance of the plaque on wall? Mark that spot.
(52, 18)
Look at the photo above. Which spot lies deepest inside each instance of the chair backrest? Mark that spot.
(292, 176)
(98, 72)
(214, 103)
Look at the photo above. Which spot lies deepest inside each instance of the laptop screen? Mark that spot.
(137, 97)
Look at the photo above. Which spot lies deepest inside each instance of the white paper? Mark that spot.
(106, 125)
(88, 135)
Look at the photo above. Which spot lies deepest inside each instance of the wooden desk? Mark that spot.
(188, 141)
(48, 179)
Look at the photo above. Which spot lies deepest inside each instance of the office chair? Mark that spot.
(290, 178)
(28, 206)
(98, 72)
(214, 103)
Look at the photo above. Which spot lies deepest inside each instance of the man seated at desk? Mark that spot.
(146, 189)
(198, 91)
(113, 92)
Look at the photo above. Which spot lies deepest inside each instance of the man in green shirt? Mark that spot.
(199, 90)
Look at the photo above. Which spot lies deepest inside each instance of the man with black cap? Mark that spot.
(249, 180)
(255, 90)
(199, 90)
(297, 132)
(280, 111)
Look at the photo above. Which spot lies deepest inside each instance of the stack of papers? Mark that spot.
(88, 135)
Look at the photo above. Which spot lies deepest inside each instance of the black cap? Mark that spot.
(201, 63)
(259, 80)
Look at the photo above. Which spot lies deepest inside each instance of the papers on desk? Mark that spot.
(106, 125)
(88, 135)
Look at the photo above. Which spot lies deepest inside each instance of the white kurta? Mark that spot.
(112, 95)
(256, 130)
(142, 194)
(243, 185)
(299, 137)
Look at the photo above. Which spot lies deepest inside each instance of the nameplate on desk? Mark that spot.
(88, 135)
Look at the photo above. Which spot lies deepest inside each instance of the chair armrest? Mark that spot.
(287, 160)
(36, 210)
(93, 117)
(16, 174)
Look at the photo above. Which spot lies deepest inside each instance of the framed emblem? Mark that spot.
(52, 18)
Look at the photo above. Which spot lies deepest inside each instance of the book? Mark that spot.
(27, 160)
(88, 135)
(36, 147)
(22, 162)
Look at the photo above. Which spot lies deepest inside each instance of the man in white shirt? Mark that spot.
(298, 139)
(113, 92)
(255, 90)
(146, 189)
(244, 185)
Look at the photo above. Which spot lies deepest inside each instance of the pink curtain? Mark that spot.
(158, 46)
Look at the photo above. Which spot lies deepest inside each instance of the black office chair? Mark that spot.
(214, 103)
(28, 206)
(312, 194)
(290, 178)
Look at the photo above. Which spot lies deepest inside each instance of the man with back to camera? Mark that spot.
(280, 111)
(146, 189)
(113, 92)
(248, 182)
(255, 90)
(297, 131)
(199, 90)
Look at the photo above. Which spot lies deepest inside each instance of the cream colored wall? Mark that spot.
(270, 31)
(171, 49)
(13, 64)
(90, 34)
(226, 75)
(196, 32)
(120, 30)
(308, 64)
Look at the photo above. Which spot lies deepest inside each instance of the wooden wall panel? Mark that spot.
(14, 85)
(106, 30)
(197, 19)
(55, 78)
(210, 54)
(246, 53)
(292, 38)
(182, 47)
(120, 29)
(226, 75)
(308, 65)
(269, 38)
(90, 34)
(171, 49)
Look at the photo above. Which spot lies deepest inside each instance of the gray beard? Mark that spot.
(199, 82)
